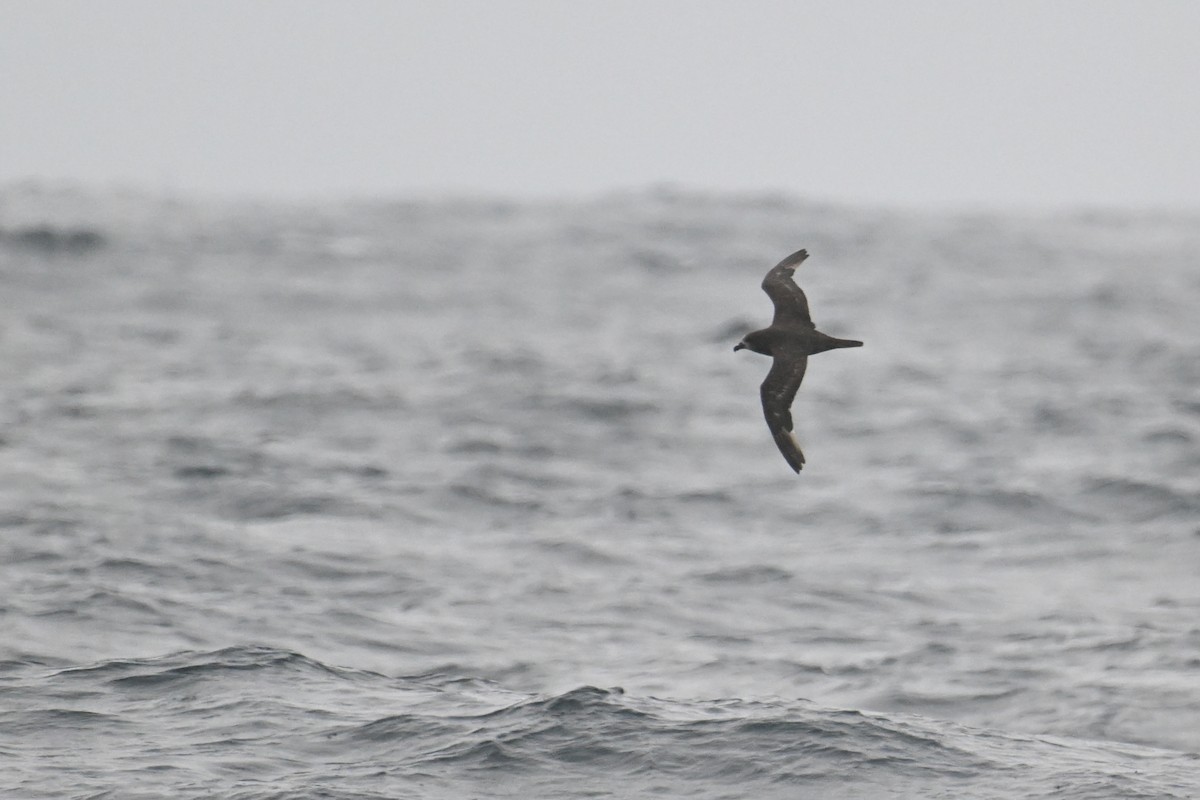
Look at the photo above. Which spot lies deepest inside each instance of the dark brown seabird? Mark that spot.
(790, 340)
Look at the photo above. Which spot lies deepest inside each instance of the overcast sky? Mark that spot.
(936, 103)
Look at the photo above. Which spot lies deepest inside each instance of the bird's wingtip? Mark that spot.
(793, 261)
(790, 449)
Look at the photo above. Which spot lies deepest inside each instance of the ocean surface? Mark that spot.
(471, 499)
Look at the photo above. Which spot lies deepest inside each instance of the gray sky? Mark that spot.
(936, 103)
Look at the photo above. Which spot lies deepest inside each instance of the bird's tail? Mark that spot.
(846, 343)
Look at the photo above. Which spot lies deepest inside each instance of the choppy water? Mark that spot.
(473, 499)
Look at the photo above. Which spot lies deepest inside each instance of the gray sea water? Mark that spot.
(472, 499)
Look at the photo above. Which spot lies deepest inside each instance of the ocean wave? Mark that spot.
(1139, 501)
(954, 509)
(373, 734)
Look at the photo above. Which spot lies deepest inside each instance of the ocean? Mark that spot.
(471, 498)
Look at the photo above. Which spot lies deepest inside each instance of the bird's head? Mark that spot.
(739, 346)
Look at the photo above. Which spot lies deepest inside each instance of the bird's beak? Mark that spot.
(739, 346)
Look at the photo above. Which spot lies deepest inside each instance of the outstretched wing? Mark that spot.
(778, 391)
(791, 306)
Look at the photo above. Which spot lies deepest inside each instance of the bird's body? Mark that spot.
(789, 341)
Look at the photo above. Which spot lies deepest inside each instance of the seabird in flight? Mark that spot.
(790, 340)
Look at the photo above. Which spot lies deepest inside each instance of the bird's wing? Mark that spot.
(791, 306)
(778, 391)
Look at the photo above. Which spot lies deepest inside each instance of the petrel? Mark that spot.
(790, 340)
